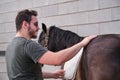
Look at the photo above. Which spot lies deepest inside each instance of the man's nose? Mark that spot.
(38, 28)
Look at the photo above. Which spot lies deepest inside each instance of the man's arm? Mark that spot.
(64, 55)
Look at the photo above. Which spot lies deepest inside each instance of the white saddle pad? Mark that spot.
(70, 66)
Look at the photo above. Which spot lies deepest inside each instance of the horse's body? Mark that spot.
(101, 57)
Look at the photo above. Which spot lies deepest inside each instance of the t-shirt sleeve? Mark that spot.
(34, 50)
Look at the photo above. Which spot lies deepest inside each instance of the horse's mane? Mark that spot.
(66, 37)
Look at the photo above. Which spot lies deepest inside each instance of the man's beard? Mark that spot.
(31, 32)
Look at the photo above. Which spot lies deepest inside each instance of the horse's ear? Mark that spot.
(44, 28)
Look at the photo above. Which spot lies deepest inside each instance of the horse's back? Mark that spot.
(101, 59)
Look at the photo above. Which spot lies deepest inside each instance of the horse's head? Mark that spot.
(56, 39)
(43, 38)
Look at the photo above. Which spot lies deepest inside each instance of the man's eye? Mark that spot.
(36, 24)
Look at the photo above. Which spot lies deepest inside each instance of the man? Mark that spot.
(24, 56)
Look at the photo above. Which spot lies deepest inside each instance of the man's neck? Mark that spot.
(20, 34)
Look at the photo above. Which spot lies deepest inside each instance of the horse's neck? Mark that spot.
(60, 39)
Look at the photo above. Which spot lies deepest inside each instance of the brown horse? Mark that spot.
(101, 57)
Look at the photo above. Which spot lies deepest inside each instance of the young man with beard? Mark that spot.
(24, 56)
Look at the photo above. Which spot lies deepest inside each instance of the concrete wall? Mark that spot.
(84, 17)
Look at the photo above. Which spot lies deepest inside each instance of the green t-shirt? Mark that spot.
(21, 58)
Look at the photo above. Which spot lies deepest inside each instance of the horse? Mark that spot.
(100, 59)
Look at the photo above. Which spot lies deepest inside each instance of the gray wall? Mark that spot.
(84, 17)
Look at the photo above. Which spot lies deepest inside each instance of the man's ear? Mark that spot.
(44, 28)
(25, 24)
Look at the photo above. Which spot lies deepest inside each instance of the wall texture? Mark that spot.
(84, 17)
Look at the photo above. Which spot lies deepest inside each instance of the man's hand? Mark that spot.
(56, 74)
(86, 40)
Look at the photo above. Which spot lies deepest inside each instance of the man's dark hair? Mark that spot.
(24, 15)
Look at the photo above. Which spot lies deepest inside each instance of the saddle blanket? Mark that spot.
(70, 66)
